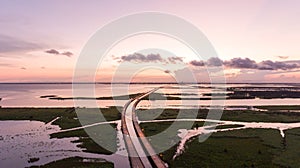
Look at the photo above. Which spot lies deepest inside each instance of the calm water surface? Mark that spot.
(28, 95)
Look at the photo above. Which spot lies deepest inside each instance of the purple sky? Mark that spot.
(41, 40)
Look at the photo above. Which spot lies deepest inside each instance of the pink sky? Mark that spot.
(256, 29)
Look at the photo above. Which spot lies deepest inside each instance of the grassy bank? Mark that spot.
(274, 114)
(238, 148)
(68, 116)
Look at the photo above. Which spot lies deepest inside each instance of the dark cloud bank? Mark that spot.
(138, 58)
(246, 63)
(238, 63)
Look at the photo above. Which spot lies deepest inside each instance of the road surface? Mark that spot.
(141, 154)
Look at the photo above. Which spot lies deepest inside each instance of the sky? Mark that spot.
(256, 41)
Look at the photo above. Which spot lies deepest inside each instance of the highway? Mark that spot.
(141, 154)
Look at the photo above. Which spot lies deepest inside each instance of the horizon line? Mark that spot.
(147, 83)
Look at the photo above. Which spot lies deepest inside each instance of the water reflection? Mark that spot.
(28, 95)
(27, 143)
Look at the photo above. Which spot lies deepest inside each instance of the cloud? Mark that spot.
(52, 51)
(234, 63)
(246, 63)
(23, 68)
(138, 58)
(197, 63)
(11, 44)
(241, 63)
(214, 61)
(175, 59)
(67, 53)
(270, 65)
(153, 58)
(56, 52)
(292, 62)
(167, 71)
